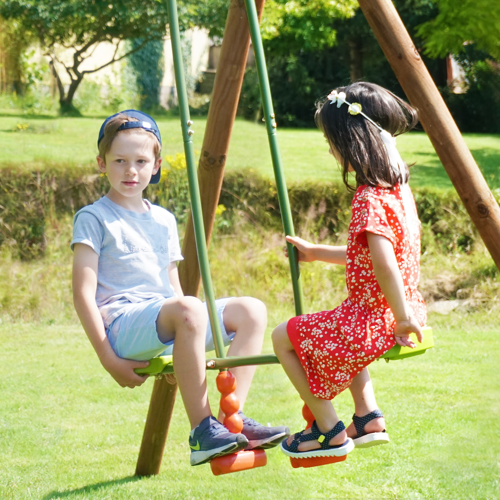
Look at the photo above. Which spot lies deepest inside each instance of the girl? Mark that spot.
(326, 352)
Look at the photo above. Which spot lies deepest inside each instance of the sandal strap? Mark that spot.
(360, 422)
(315, 434)
(324, 438)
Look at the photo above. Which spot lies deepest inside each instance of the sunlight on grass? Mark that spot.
(38, 141)
(70, 432)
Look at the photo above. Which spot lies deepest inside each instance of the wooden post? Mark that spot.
(436, 120)
(221, 115)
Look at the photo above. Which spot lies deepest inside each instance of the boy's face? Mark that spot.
(130, 163)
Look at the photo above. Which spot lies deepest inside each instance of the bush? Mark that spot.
(320, 210)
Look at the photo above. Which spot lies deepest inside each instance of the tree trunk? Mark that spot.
(356, 60)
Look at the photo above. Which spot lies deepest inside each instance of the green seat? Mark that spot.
(400, 352)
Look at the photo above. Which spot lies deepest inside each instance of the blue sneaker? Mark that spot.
(261, 437)
(211, 439)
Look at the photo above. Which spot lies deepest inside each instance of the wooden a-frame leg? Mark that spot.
(156, 429)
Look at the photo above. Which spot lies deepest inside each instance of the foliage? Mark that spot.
(289, 26)
(79, 26)
(28, 199)
(474, 21)
(301, 73)
(147, 63)
(478, 109)
(14, 40)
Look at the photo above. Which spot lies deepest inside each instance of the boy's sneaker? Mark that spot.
(211, 439)
(262, 437)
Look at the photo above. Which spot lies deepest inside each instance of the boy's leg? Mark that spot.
(247, 317)
(184, 319)
(322, 409)
(364, 403)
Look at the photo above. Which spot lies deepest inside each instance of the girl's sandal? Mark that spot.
(367, 439)
(326, 450)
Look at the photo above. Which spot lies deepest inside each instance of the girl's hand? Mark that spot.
(306, 249)
(122, 370)
(403, 330)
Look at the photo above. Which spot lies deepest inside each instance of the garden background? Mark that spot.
(68, 431)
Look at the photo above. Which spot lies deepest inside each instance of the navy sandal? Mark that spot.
(325, 451)
(367, 439)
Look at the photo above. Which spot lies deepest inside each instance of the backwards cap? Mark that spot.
(145, 122)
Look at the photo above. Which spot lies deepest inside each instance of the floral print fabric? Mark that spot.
(334, 346)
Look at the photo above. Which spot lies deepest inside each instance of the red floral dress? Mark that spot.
(334, 346)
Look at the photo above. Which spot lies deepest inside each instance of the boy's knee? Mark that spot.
(190, 312)
(247, 310)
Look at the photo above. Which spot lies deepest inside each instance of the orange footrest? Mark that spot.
(235, 462)
(315, 461)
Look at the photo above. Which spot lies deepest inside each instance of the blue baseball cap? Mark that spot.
(145, 122)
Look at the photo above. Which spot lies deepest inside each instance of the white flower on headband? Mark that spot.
(336, 97)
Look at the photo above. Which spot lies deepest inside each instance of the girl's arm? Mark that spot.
(85, 262)
(390, 280)
(309, 252)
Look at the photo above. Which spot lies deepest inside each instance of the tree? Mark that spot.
(79, 26)
(148, 68)
(456, 25)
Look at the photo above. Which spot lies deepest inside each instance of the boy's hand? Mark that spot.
(403, 330)
(122, 370)
(306, 249)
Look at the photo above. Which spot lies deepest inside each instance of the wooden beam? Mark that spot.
(436, 120)
(221, 115)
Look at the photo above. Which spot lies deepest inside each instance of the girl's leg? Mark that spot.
(184, 318)
(364, 402)
(322, 409)
(247, 317)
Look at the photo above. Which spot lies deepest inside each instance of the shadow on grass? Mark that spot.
(428, 171)
(92, 488)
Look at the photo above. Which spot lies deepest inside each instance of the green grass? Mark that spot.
(72, 141)
(68, 431)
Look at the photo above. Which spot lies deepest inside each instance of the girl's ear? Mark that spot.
(157, 165)
(101, 163)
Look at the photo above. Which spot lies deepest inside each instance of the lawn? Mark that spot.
(38, 141)
(68, 431)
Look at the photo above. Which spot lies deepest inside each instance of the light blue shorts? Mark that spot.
(133, 334)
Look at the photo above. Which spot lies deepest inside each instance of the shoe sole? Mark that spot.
(202, 457)
(372, 439)
(341, 451)
(265, 444)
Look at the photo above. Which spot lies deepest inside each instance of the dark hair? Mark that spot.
(357, 140)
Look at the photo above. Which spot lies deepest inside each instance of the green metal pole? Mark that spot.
(265, 91)
(194, 190)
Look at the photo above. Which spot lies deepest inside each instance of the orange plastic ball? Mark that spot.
(229, 403)
(226, 382)
(233, 423)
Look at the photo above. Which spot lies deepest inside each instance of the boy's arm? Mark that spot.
(85, 262)
(391, 283)
(309, 252)
(173, 275)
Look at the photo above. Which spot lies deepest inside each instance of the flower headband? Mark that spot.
(389, 141)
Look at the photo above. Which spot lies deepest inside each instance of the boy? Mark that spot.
(128, 296)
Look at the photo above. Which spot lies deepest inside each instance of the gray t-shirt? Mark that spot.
(134, 251)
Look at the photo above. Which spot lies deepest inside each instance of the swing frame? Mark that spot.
(422, 92)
